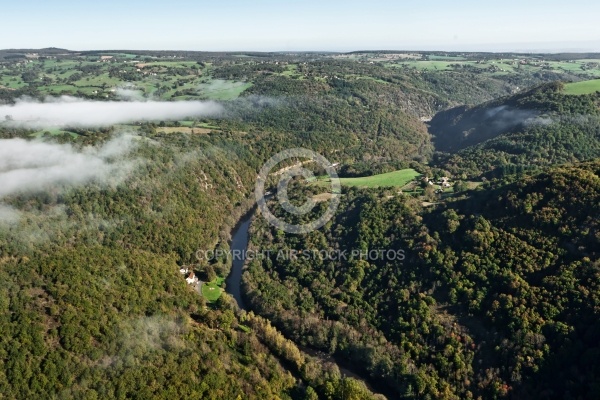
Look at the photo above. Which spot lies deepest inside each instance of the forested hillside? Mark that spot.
(484, 288)
(497, 293)
(542, 126)
(93, 304)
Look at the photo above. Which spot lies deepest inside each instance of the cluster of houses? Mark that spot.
(443, 182)
(191, 279)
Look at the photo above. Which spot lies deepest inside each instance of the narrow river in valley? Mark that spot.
(239, 245)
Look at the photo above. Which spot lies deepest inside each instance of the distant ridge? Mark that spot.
(474, 54)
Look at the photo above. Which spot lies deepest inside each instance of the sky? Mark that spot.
(317, 25)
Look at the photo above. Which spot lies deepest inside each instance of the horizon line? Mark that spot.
(382, 50)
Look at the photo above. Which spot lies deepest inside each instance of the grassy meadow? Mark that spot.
(398, 178)
(584, 87)
(212, 290)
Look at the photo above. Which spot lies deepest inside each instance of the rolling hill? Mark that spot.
(542, 126)
(493, 295)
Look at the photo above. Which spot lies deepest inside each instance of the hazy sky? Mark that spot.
(269, 25)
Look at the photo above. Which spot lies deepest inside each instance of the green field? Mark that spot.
(585, 87)
(97, 81)
(395, 178)
(290, 70)
(191, 81)
(12, 82)
(219, 89)
(423, 65)
(53, 132)
(447, 58)
(586, 69)
(212, 290)
(171, 64)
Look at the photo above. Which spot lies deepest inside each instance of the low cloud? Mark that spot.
(543, 121)
(249, 106)
(502, 118)
(71, 111)
(129, 94)
(8, 215)
(151, 333)
(34, 166)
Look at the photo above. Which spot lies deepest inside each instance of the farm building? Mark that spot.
(192, 279)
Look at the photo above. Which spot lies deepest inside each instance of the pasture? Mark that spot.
(219, 89)
(11, 82)
(583, 68)
(212, 290)
(584, 87)
(398, 178)
(153, 78)
(53, 132)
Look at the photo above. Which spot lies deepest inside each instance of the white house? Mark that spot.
(192, 279)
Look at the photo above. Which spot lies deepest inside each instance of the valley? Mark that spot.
(461, 261)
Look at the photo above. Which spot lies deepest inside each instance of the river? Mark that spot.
(239, 244)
